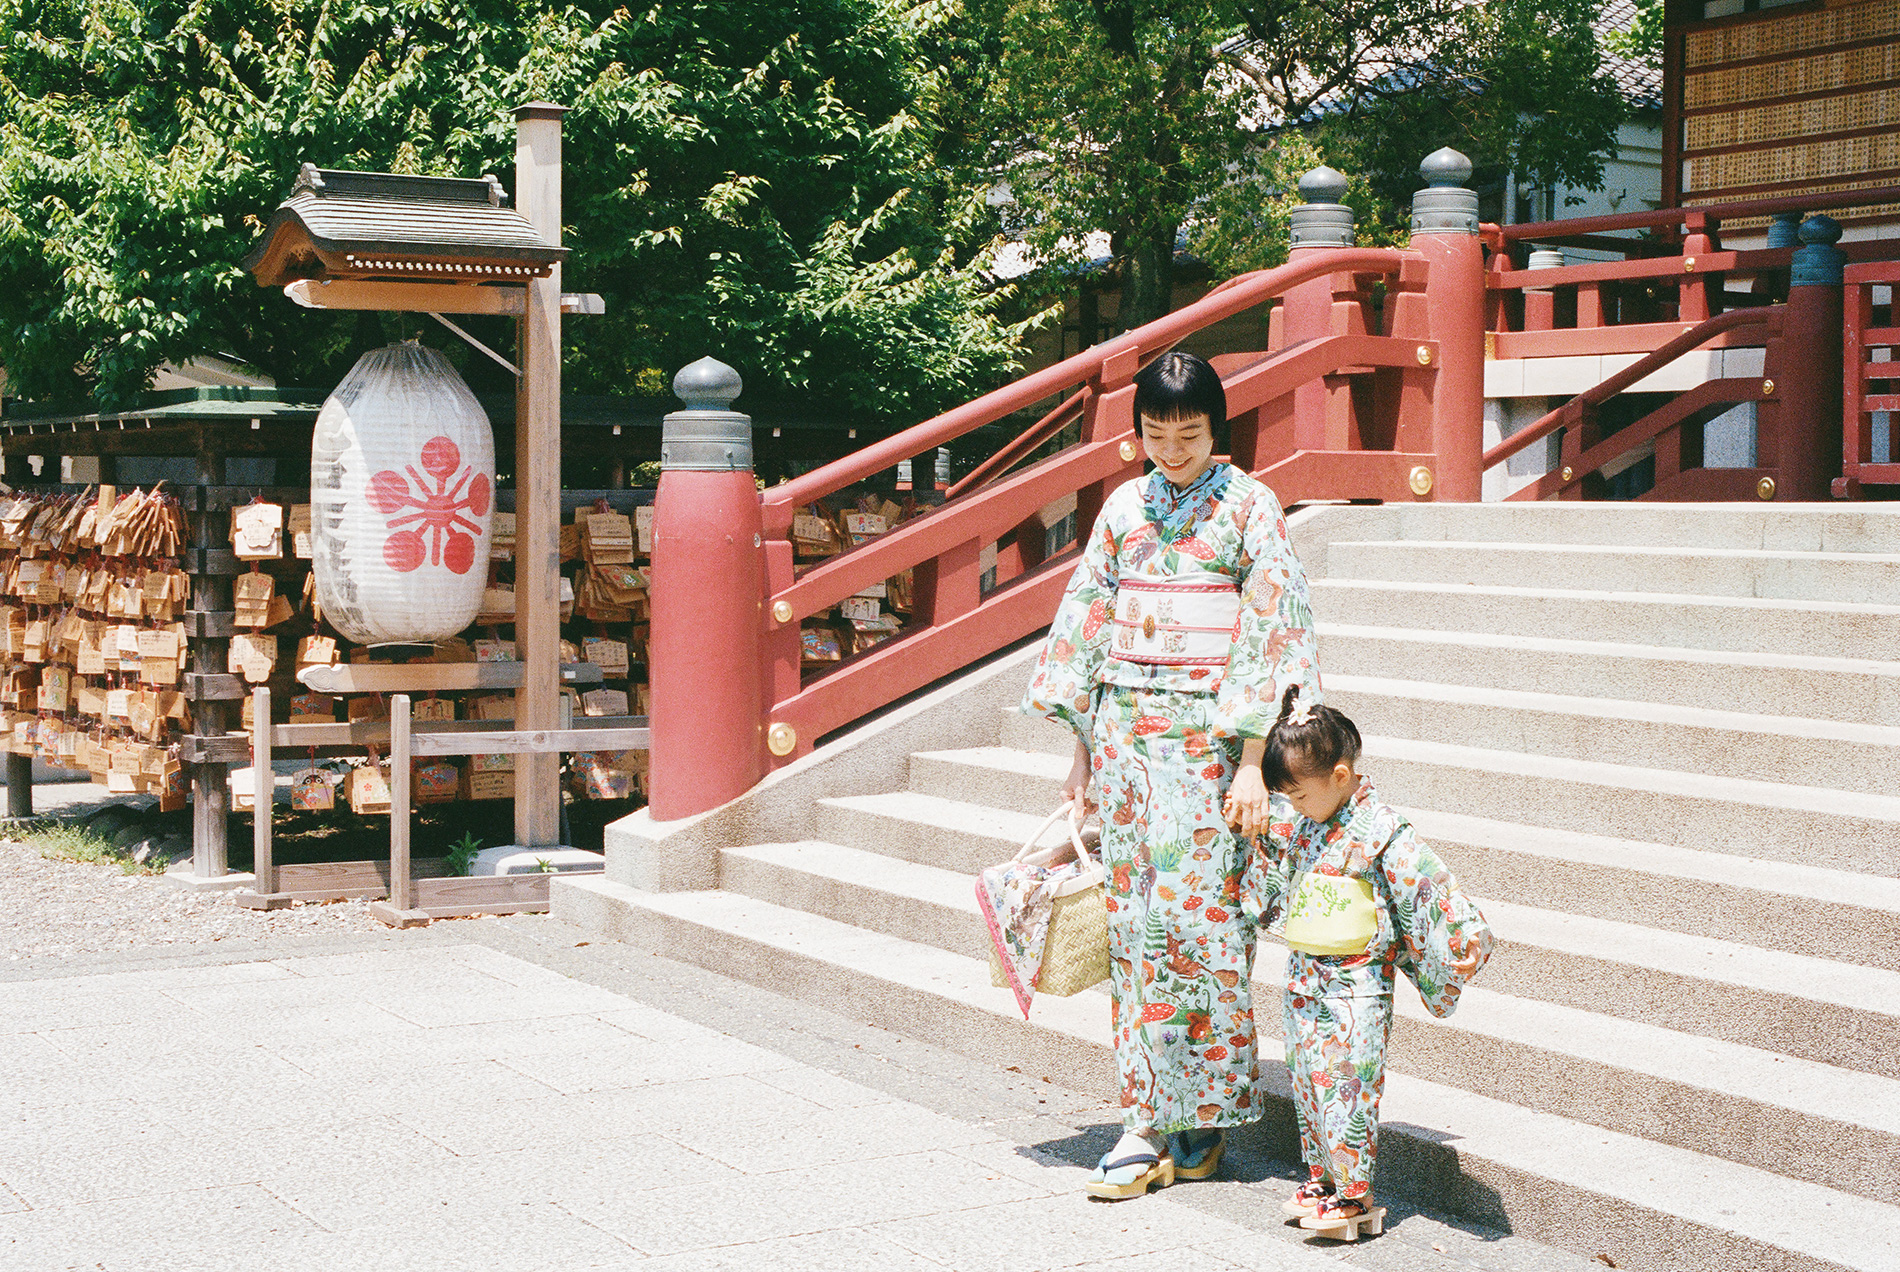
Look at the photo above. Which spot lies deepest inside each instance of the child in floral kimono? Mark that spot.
(1183, 624)
(1357, 896)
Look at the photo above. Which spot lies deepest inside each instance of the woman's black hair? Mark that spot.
(1176, 386)
(1313, 746)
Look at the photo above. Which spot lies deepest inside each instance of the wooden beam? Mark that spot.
(509, 300)
(436, 677)
(538, 742)
(414, 298)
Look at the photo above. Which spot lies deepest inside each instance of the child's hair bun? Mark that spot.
(1308, 738)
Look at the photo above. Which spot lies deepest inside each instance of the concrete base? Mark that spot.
(180, 875)
(513, 859)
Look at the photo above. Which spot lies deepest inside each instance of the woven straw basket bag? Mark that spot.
(1075, 953)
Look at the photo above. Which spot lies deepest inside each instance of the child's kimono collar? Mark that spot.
(1362, 800)
(1164, 496)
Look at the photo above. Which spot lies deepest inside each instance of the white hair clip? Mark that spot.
(1302, 713)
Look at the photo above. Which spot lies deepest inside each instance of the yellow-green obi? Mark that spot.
(1331, 915)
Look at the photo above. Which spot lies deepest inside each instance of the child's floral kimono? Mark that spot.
(1338, 1010)
(1182, 626)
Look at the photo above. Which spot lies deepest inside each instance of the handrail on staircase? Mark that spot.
(1768, 319)
(1250, 290)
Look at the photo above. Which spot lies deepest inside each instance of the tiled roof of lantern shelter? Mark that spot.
(384, 224)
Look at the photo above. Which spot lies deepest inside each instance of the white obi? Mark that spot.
(1183, 620)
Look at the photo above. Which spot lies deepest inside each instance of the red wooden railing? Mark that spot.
(953, 622)
(1663, 285)
(1584, 454)
(1870, 387)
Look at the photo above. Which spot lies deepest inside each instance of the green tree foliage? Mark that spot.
(747, 178)
(1139, 117)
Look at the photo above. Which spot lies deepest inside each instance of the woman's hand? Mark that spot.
(1247, 805)
(1075, 787)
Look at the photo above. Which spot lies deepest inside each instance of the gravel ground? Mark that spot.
(73, 907)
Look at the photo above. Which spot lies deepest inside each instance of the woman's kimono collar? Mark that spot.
(1164, 496)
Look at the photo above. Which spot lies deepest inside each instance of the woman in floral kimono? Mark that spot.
(1183, 625)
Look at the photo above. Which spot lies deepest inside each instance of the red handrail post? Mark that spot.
(1810, 392)
(1445, 233)
(706, 642)
(1322, 409)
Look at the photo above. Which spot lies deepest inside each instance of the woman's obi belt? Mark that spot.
(1183, 620)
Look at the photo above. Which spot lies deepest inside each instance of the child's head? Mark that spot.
(1310, 755)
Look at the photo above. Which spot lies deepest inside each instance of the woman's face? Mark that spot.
(1182, 449)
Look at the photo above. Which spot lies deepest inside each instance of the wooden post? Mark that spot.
(1322, 409)
(1445, 232)
(400, 889)
(1810, 389)
(708, 587)
(264, 786)
(211, 718)
(19, 785)
(538, 482)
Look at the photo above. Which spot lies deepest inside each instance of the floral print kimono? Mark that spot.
(1337, 1011)
(1163, 706)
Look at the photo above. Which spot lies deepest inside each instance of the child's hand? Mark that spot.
(1467, 967)
(1247, 805)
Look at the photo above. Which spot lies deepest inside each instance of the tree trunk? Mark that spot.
(1148, 280)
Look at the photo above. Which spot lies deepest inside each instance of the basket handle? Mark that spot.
(1066, 808)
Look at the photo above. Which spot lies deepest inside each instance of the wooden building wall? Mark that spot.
(1782, 99)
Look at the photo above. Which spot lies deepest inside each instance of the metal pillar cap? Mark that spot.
(1784, 230)
(1322, 221)
(706, 436)
(1445, 206)
(1546, 258)
(1817, 262)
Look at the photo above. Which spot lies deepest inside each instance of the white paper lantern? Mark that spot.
(402, 494)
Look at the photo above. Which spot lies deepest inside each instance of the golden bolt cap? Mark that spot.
(1424, 355)
(1568, 472)
(782, 611)
(1128, 452)
(1421, 478)
(1688, 264)
(1767, 386)
(1765, 488)
(781, 739)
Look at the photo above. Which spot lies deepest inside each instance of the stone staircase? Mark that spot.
(1669, 773)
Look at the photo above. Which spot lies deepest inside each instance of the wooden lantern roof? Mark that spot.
(386, 226)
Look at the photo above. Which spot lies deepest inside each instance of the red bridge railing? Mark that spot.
(953, 621)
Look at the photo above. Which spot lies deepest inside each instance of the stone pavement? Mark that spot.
(504, 1095)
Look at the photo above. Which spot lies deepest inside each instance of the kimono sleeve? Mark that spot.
(1068, 673)
(1273, 644)
(1268, 876)
(1434, 921)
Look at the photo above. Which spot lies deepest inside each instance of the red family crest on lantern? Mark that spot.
(402, 484)
(446, 535)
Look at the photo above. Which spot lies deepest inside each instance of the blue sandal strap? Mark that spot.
(1133, 1159)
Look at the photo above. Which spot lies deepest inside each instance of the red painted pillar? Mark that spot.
(1810, 391)
(706, 644)
(1322, 408)
(1445, 232)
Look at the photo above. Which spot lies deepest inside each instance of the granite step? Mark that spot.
(1825, 629)
(1650, 1204)
(1736, 744)
(1846, 690)
(1858, 577)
